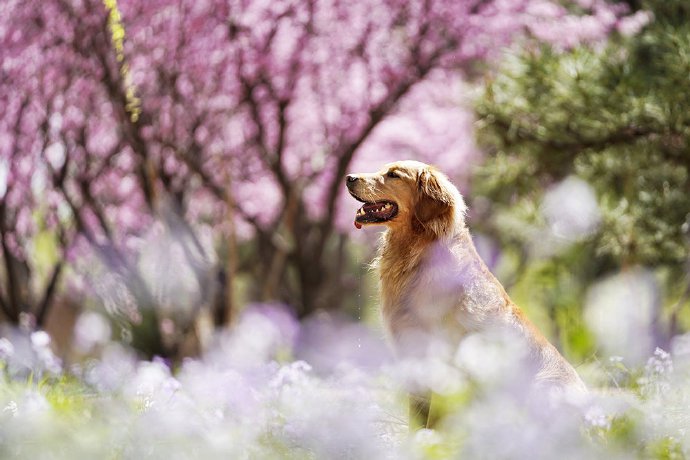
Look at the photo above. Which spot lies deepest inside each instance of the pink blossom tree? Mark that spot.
(229, 125)
(277, 98)
(68, 142)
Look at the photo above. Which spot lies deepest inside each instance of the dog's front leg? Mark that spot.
(411, 342)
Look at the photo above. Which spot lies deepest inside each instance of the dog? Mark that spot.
(434, 285)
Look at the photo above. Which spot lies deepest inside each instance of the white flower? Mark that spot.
(6, 349)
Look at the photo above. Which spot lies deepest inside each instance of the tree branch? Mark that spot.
(5, 308)
(48, 294)
(14, 306)
(12, 279)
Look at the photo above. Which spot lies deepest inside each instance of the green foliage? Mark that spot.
(616, 117)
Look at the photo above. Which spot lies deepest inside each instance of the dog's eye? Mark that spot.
(392, 175)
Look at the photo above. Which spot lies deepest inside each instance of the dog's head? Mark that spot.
(407, 195)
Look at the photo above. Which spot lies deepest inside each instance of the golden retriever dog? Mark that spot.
(433, 283)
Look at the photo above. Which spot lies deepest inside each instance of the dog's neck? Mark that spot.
(394, 271)
(417, 234)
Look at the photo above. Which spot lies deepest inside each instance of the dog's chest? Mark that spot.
(443, 290)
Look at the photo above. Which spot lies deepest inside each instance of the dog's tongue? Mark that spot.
(358, 225)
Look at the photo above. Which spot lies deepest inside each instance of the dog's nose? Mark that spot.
(350, 179)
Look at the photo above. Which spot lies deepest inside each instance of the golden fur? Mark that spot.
(433, 283)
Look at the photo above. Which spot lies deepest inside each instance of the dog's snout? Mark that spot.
(351, 178)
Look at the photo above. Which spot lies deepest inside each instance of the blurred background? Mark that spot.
(167, 167)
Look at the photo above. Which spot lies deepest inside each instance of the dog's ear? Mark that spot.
(434, 199)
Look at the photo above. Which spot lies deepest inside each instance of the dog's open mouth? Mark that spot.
(375, 213)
